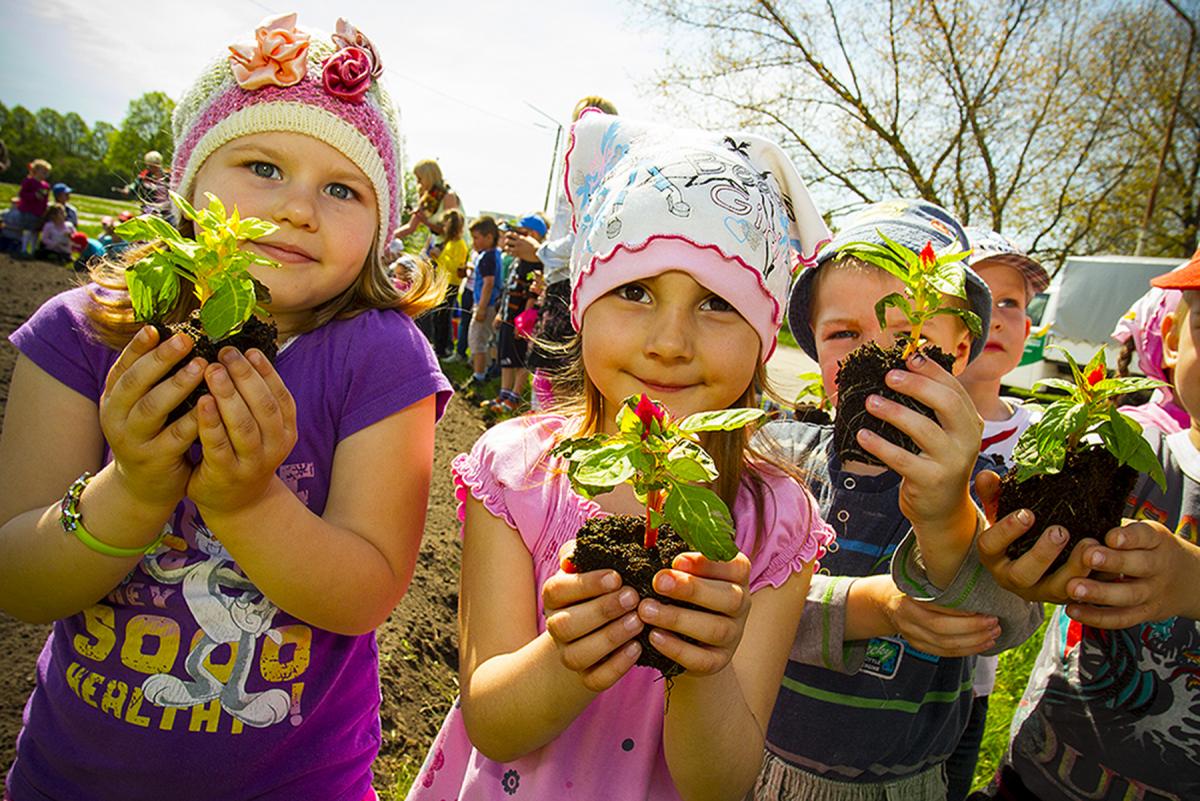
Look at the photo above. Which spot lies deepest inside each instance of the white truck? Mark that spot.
(1079, 310)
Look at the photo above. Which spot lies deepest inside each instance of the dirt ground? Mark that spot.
(418, 644)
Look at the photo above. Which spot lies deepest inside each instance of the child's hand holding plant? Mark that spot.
(215, 269)
(663, 461)
(928, 278)
(1075, 467)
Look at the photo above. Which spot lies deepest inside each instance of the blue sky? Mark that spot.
(464, 73)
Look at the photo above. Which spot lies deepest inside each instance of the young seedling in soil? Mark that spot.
(812, 405)
(663, 460)
(214, 268)
(1076, 466)
(927, 278)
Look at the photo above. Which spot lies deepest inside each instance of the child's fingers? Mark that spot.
(1137, 535)
(259, 399)
(165, 396)
(589, 651)
(695, 659)
(924, 432)
(142, 343)
(897, 459)
(987, 489)
(577, 621)
(279, 390)
(240, 424)
(127, 387)
(716, 595)
(715, 629)
(736, 570)
(1109, 616)
(567, 589)
(609, 672)
(1121, 562)
(211, 430)
(179, 437)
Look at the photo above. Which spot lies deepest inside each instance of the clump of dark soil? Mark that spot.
(860, 375)
(806, 413)
(615, 542)
(1086, 498)
(255, 333)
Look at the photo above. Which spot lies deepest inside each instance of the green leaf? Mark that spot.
(606, 466)
(700, 516)
(970, 319)
(153, 286)
(628, 422)
(184, 206)
(897, 300)
(950, 278)
(1097, 360)
(577, 447)
(1125, 385)
(252, 228)
(229, 307)
(723, 420)
(1061, 420)
(687, 461)
(1058, 383)
(1123, 438)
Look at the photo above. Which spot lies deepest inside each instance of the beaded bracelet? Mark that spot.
(72, 523)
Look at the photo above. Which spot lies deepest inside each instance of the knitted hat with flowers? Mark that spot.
(730, 209)
(295, 81)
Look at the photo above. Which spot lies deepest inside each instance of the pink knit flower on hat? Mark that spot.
(346, 35)
(347, 74)
(278, 57)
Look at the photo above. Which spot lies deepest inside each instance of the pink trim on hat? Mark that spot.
(363, 116)
(729, 276)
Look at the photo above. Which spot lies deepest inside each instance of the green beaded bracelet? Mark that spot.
(72, 523)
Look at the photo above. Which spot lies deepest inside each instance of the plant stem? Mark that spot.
(654, 502)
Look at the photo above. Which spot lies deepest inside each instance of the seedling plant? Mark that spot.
(664, 462)
(1076, 465)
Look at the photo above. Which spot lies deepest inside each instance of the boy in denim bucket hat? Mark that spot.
(875, 645)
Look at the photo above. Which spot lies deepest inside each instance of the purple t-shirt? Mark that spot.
(185, 682)
(34, 196)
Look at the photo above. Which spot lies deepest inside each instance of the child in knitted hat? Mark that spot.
(214, 606)
(685, 243)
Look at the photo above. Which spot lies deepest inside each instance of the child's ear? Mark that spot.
(962, 352)
(1170, 341)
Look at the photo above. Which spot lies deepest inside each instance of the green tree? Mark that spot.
(1016, 114)
(147, 126)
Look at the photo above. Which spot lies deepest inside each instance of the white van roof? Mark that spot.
(1090, 293)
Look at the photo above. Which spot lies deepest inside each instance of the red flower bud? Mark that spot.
(928, 257)
(648, 411)
(1096, 376)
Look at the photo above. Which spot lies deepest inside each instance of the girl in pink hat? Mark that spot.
(684, 245)
(214, 605)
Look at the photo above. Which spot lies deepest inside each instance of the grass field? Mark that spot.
(90, 209)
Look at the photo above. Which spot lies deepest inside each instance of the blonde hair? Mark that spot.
(593, 101)
(428, 170)
(40, 163)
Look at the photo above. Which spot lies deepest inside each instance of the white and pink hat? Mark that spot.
(728, 208)
(296, 81)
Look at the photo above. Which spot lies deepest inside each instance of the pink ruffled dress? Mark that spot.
(614, 748)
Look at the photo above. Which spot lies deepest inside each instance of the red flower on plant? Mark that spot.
(928, 257)
(1096, 376)
(347, 74)
(648, 411)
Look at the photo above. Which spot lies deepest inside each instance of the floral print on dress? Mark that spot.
(510, 782)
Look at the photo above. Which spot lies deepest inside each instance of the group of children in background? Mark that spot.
(214, 611)
(41, 223)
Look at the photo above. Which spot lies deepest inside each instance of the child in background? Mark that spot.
(214, 610)
(33, 198)
(511, 346)
(553, 706)
(554, 313)
(84, 249)
(450, 256)
(1110, 709)
(489, 279)
(56, 235)
(1013, 278)
(893, 671)
(62, 196)
(11, 227)
(1140, 331)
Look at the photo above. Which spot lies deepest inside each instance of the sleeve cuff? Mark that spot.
(821, 637)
